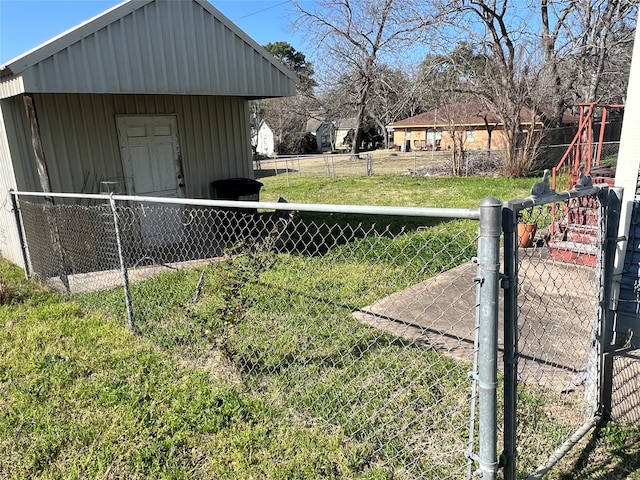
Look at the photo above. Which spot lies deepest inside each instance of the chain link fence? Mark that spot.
(382, 162)
(338, 319)
(550, 155)
(418, 163)
(376, 322)
(554, 346)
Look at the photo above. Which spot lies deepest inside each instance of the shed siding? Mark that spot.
(19, 144)
(156, 49)
(9, 244)
(80, 139)
(11, 87)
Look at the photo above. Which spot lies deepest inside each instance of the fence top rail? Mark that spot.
(462, 213)
(532, 201)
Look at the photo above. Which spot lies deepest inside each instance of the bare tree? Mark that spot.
(353, 35)
(503, 84)
(539, 68)
(586, 42)
(394, 96)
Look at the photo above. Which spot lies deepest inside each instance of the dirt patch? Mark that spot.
(216, 364)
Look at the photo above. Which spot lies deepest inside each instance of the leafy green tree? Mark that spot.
(297, 62)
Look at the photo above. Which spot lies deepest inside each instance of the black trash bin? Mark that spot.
(237, 224)
(236, 189)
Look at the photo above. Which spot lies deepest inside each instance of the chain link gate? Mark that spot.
(557, 277)
(379, 324)
(361, 321)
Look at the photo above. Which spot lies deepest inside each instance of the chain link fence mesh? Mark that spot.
(424, 162)
(364, 324)
(421, 163)
(382, 162)
(556, 312)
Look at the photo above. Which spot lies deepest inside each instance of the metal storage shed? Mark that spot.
(171, 77)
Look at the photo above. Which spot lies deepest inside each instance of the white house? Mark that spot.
(265, 140)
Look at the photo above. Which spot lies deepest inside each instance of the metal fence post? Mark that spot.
(286, 167)
(333, 169)
(510, 286)
(488, 282)
(123, 266)
(21, 237)
(607, 337)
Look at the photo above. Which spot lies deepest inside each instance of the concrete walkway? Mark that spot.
(557, 303)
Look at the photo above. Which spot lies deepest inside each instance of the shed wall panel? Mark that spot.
(10, 247)
(80, 142)
(12, 86)
(20, 146)
(80, 139)
(163, 47)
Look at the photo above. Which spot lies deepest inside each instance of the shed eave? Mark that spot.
(240, 33)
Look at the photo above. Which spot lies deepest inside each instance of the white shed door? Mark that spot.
(150, 151)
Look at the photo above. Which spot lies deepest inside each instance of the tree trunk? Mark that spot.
(362, 106)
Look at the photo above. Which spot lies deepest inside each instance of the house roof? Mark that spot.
(462, 114)
(151, 46)
(346, 123)
(261, 124)
(315, 122)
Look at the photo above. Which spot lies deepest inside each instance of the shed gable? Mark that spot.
(162, 46)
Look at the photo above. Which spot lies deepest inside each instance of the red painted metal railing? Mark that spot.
(578, 218)
(581, 149)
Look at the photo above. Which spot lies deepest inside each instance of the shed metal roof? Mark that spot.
(151, 46)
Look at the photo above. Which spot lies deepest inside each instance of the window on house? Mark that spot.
(470, 136)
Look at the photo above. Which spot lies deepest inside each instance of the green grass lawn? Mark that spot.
(265, 374)
(84, 398)
(406, 191)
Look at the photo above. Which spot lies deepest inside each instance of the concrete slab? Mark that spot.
(557, 305)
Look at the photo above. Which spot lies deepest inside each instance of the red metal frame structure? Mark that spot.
(571, 236)
(580, 151)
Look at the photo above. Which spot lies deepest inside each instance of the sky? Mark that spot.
(25, 24)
